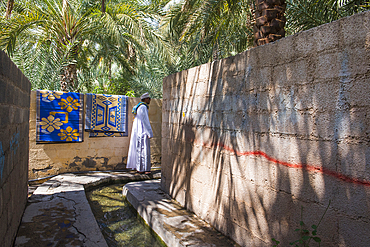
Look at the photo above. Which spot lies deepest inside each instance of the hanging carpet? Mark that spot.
(106, 115)
(59, 116)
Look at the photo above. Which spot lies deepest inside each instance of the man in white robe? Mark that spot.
(139, 150)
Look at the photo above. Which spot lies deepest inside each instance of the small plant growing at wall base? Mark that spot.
(306, 235)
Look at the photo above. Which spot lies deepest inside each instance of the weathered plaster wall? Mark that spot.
(98, 153)
(14, 111)
(249, 140)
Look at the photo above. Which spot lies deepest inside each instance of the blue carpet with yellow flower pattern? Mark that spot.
(106, 115)
(59, 116)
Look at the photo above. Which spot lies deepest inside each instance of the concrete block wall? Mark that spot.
(98, 153)
(252, 142)
(14, 113)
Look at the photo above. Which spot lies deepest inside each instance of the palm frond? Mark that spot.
(306, 14)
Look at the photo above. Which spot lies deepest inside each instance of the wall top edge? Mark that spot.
(287, 39)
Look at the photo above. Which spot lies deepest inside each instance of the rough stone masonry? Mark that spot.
(252, 142)
(14, 111)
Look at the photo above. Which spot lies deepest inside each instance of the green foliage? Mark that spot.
(276, 243)
(136, 43)
(305, 235)
(43, 37)
(120, 85)
(203, 31)
(306, 14)
(130, 93)
(150, 73)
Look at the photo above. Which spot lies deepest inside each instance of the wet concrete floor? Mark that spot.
(58, 213)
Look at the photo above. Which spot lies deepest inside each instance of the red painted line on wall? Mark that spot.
(306, 167)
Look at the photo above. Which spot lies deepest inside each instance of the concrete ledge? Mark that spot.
(174, 225)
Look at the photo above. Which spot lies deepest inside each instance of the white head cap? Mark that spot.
(144, 96)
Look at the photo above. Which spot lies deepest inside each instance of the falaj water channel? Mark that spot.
(58, 213)
(118, 220)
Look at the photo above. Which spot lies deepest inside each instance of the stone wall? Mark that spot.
(97, 153)
(14, 111)
(251, 140)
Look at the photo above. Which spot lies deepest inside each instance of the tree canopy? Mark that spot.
(129, 46)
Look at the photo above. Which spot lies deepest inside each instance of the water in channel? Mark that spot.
(118, 220)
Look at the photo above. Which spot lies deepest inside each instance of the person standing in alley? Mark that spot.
(139, 150)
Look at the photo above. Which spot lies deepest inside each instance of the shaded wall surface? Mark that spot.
(94, 153)
(251, 140)
(14, 113)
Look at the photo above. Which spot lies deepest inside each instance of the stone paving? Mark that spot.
(58, 213)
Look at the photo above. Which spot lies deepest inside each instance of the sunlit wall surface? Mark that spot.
(258, 142)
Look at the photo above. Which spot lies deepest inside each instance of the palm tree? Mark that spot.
(56, 43)
(9, 8)
(306, 14)
(301, 15)
(61, 26)
(132, 55)
(270, 21)
(202, 31)
(69, 36)
(149, 74)
(103, 6)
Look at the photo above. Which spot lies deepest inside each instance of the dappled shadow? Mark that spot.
(118, 220)
(254, 138)
(60, 213)
(176, 225)
(49, 220)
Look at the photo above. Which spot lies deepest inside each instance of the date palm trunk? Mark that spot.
(216, 52)
(9, 8)
(270, 21)
(68, 78)
(103, 6)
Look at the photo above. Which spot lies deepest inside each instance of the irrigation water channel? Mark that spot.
(118, 220)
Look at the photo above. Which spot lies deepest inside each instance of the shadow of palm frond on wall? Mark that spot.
(263, 140)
